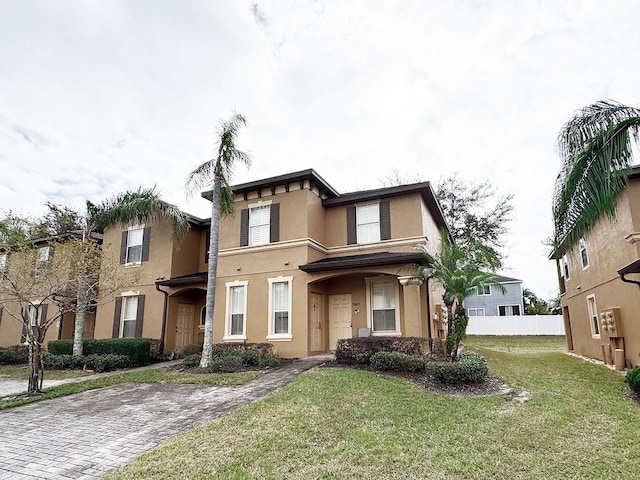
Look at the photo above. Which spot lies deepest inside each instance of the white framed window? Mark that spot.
(35, 315)
(43, 254)
(280, 308)
(484, 290)
(129, 317)
(564, 263)
(593, 316)
(259, 224)
(508, 310)
(475, 312)
(383, 316)
(236, 311)
(584, 257)
(134, 245)
(3, 262)
(368, 223)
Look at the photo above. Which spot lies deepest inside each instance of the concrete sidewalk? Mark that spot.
(83, 436)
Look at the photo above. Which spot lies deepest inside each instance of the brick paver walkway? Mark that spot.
(83, 436)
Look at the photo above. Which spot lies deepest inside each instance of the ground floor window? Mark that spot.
(236, 311)
(382, 298)
(475, 312)
(508, 310)
(280, 308)
(129, 316)
(593, 315)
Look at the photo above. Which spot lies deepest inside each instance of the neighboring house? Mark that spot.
(300, 266)
(598, 277)
(13, 332)
(491, 301)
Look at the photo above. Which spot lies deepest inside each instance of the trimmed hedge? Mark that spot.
(137, 349)
(234, 357)
(469, 368)
(632, 378)
(14, 355)
(97, 363)
(397, 361)
(360, 349)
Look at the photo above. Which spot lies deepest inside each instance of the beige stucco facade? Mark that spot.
(326, 278)
(602, 312)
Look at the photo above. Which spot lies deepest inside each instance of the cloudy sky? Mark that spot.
(100, 96)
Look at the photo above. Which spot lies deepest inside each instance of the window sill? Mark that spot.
(133, 264)
(280, 337)
(234, 338)
(386, 333)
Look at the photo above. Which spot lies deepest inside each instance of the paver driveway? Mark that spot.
(87, 434)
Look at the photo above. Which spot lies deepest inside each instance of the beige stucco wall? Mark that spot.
(608, 252)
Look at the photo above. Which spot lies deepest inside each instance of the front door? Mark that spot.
(316, 316)
(339, 318)
(184, 325)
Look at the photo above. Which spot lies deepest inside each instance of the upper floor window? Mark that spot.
(484, 290)
(475, 312)
(260, 224)
(134, 248)
(368, 223)
(583, 253)
(564, 263)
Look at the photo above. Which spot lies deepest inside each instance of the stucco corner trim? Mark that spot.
(410, 280)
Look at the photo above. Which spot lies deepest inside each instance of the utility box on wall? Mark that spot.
(612, 338)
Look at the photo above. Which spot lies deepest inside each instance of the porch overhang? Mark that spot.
(363, 261)
(191, 279)
(633, 267)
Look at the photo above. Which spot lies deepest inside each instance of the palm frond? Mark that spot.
(596, 151)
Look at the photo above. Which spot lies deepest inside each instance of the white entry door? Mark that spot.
(184, 325)
(339, 318)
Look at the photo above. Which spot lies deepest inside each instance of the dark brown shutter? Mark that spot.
(244, 227)
(206, 246)
(43, 313)
(117, 312)
(146, 238)
(139, 316)
(123, 247)
(1, 309)
(274, 223)
(385, 221)
(352, 235)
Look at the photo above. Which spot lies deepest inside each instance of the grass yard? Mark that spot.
(350, 424)
(22, 372)
(154, 375)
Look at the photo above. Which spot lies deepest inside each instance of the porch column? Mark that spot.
(413, 317)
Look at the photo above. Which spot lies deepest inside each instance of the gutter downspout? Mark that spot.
(622, 277)
(164, 317)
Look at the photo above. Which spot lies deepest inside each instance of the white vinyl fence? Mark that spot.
(516, 325)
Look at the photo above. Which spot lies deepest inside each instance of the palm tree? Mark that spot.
(459, 274)
(217, 171)
(595, 147)
(138, 206)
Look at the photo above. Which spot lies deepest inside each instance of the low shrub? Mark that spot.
(231, 359)
(14, 355)
(229, 362)
(360, 349)
(137, 349)
(632, 379)
(97, 363)
(469, 368)
(191, 349)
(192, 360)
(397, 361)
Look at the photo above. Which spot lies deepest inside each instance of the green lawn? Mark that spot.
(344, 423)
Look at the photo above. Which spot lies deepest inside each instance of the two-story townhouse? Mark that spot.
(599, 286)
(300, 265)
(492, 301)
(13, 332)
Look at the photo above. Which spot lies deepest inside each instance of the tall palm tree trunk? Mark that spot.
(207, 348)
(81, 307)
